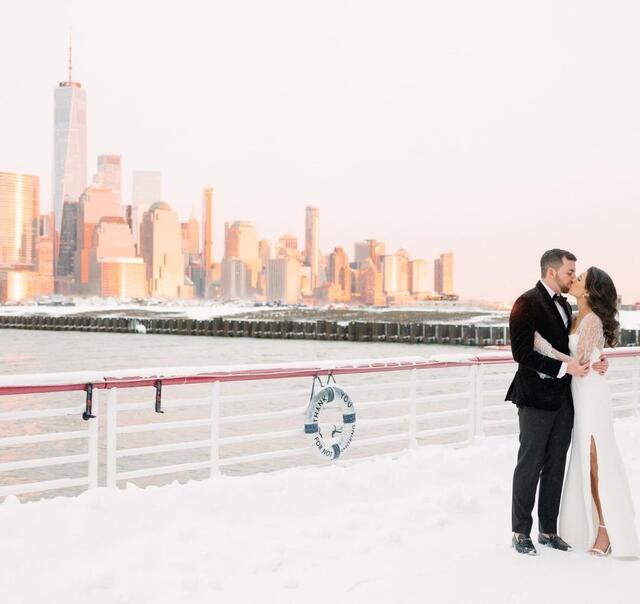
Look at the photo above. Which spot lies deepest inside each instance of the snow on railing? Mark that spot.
(400, 403)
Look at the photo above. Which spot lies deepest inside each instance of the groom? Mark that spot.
(541, 389)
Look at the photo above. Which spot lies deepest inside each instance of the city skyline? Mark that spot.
(486, 178)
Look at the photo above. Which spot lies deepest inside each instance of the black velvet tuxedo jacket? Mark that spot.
(536, 311)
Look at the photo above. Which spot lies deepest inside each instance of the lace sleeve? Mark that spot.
(545, 348)
(591, 337)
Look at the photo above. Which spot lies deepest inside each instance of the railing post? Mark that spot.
(475, 403)
(479, 402)
(112, 436)
(215, 429)
(413, 383)
(93, 442)
(636, 385)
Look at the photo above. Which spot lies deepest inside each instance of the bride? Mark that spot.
(596, 512)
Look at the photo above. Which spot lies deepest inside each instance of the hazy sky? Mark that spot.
(492, 129)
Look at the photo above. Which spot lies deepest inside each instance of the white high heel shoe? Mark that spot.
(598, 552)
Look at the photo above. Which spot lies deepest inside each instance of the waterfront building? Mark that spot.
(283, 280)
(404, 275)
(312, 244)
(67, 248)
(207, 238)
(340, 275)
(69, 144)
(19, 212)
(421, 281)
(113, 268)
(371, 286)
(123, 278)
(109, 174)
(241, 242)
(146, 190)
(446, 263)
(191, 237)
(45, 247)
(96, 203)
(235, 279)
(264, 251)
(391, 273)
(161, 246)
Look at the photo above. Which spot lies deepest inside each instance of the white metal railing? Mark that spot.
(256, 423)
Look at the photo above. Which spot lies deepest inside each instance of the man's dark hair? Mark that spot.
(554, 259)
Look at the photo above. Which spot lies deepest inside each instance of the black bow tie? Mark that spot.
(559, 298)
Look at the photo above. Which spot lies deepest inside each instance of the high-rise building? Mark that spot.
(235, 279)
(437, 276)
(191, 237)
(65, 264)
(404, 275)
(207, 227)
(370, 281)
(109, 174)
(369, 249)
(421, 281)
(391, 273)
(45, 246)
(19, 212)
(113, 268)
(241, 242)
(161, 245)
(264, 250)
(283, 280)
(207, 241)
(96, 203)
(312, 244)
(446, 268)
(340, 275)
(146, 190)
(69, 144)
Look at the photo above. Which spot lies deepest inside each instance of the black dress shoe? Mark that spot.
(523, 544)
(554, 541)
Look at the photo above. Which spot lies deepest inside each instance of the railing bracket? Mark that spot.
(86, 415)
(158, 387)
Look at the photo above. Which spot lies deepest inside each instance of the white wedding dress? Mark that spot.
(578, 522)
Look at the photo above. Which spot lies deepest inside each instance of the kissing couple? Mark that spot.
(559, 388)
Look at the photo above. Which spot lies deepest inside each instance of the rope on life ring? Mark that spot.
(319, 400)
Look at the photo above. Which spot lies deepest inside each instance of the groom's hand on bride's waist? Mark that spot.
(601, 366)
(577, 369)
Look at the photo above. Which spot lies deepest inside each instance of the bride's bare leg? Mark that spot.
(602, 540)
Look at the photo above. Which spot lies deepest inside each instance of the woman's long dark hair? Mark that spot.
(603, 299)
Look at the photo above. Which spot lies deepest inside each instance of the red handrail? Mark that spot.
(220, 374)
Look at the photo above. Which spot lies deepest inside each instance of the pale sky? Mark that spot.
(494, 129)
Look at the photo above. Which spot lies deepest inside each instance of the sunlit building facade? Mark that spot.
(312, 244)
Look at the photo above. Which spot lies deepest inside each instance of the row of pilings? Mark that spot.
(355, 331)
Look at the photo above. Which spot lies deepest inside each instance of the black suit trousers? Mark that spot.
(544, 441)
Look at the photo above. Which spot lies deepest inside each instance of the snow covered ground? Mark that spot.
(431, 525)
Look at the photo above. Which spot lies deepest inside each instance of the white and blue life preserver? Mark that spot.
(318, 401)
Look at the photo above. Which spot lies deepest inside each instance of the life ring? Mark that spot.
(320, 400)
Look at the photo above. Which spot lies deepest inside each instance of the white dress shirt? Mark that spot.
(565, 318)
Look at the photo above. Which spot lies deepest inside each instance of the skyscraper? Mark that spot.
(146, 190)
(161, 245)
(69, 144)
(207, 238)
(312, 243)
(340, 275)
(109, 174)
(283, 280)
(19, 211)
(446, 266)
